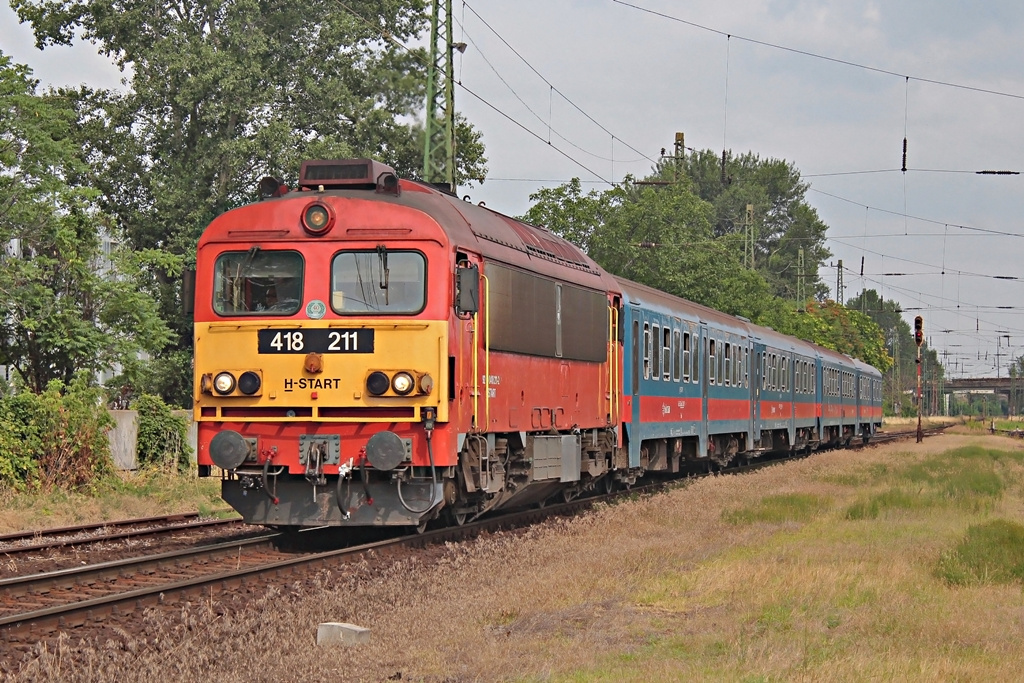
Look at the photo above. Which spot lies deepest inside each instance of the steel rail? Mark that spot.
(116, 536)
(83, 528)
(14, 626)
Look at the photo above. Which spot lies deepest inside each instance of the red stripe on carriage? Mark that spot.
(664, 409)
(728, 409)
(776, 410)
(806, 410)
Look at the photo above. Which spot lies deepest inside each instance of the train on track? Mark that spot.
(373, 351)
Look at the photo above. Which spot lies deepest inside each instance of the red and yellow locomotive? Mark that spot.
(372, 351)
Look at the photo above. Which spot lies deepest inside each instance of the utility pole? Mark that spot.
(439, 138)
(897, 378)
(839, 283)
(680, 151)
(748, 236)
(801, 294)
(919, 339)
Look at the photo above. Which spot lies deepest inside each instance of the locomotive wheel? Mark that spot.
(569, 495)
(609, 483)
(422, 526)
(457, 518)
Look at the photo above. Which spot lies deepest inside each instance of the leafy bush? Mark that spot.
(55, 439)
(163, 436)
(992, 552)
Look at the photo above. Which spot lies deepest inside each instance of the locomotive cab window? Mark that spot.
(257, 282)
(380, 281)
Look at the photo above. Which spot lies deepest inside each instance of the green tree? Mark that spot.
(660, 233)
(62, 309)
(567, 212)
(223, 93)
(899, 341)
(783, 221)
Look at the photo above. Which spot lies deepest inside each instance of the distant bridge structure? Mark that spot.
(998, 385)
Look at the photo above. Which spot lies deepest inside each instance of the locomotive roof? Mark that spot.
(503, 238)
(471, 227)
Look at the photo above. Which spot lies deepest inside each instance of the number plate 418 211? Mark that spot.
(316, 341)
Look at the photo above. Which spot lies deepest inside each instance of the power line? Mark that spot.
(387, 36)
(530, 109)
(909, 170)
(552, 86)
(917, 218)
(806, 53)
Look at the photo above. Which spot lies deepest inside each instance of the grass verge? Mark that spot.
(144, 493)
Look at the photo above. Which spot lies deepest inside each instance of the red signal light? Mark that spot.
(918, 330)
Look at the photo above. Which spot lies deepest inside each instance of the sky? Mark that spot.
(595, 89)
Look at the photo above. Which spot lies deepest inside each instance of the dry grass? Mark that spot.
(127, 495)
(755, 577)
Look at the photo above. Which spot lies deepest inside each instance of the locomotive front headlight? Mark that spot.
(249, 383)
(402, 383)
(377, 383)
(317, 219)
(224, 383)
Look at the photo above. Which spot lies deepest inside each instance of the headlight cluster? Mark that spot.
(225, 383)
(401, 383)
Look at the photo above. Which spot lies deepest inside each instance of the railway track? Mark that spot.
(23, 542)
(36, 606)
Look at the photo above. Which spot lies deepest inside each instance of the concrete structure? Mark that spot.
(332, 634)
(124, 437)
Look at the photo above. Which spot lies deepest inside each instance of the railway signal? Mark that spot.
(919, 339)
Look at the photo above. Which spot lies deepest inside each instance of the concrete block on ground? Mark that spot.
(332, 634)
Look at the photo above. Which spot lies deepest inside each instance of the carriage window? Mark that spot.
(656, 354)
(784, 380)
(380, 281)
(257, 282)
(727, 373)
(711, 363)
(647, 351)
(677, 369)
(686, 357)
(666, 353)
(721, 364)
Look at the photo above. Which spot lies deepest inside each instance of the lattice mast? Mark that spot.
(439, 138)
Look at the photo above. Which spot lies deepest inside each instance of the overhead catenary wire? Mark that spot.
(539, 118)
(554, 88)
(814, 55)
(387, 36)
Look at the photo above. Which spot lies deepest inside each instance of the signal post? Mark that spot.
(919, 339)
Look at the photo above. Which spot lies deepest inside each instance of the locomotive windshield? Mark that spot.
(258, 282)
(379, 281)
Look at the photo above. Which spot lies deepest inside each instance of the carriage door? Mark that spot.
(752, 388)
(635, 371)
(704, 370)
(756, 382)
